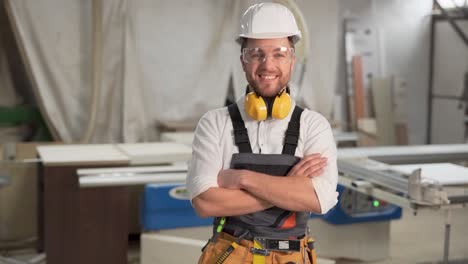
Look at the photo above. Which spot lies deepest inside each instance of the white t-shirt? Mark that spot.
(213, 146)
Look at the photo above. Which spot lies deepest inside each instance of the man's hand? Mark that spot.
(310, 166)
(230, 179)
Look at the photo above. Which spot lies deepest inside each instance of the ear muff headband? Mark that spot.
(256, 107)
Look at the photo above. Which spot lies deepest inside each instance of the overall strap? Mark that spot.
(241, 137)
(292, 133)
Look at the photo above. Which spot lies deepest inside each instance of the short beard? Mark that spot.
(258, 92)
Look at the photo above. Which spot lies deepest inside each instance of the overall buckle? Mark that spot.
(286, 245)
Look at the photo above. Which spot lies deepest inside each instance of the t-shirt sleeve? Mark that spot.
(206, 156)
(318, 138)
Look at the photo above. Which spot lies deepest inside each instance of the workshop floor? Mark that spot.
(414, 239)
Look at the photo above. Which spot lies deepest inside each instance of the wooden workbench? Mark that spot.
(81, 225)
(90, 225)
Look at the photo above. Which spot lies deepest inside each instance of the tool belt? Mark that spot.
(259, 250)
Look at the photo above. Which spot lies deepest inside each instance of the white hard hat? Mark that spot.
(268, 20)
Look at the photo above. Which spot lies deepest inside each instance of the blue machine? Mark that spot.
(167, 206)
(355, 207)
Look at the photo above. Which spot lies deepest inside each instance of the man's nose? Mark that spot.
(268, 61)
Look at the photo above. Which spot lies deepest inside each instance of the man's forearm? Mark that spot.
(290, 193)
(226, 202)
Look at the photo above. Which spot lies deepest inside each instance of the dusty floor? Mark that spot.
(413, 239)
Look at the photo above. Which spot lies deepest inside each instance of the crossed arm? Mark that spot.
(242, 191)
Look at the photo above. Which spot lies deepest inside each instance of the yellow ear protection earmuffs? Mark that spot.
(260, 108)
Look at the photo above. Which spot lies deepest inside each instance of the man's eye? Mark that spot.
(279, 55)
(255, 55)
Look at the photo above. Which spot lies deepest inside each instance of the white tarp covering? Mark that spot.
(319, 85)
(163, 62)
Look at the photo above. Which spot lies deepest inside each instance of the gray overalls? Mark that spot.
(273, 222)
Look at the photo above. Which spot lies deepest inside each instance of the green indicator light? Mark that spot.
(376, 203)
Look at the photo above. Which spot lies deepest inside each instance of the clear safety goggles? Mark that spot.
(280, 55)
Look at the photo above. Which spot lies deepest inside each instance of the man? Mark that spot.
(261, 165)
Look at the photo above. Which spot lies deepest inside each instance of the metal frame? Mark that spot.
(395, 187)
(436, 18)
(376, 192)
(382, 178)
(390, 187)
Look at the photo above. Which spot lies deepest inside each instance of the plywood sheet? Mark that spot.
(82, 154)
(156, 152)
(442, 173)
(455, 149)
(383, 103)
(358, 84)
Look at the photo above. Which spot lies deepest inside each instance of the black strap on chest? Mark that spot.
(292, 133)
(241, 137)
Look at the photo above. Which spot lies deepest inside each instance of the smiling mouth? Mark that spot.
(267, 77)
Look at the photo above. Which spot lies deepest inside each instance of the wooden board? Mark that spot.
(359, 98)
(82, 154)
(382, 97)
(155, 152)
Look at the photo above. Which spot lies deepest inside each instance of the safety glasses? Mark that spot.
(279, 55)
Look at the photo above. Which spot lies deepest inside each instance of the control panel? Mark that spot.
(355, 207)
(355, 203)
